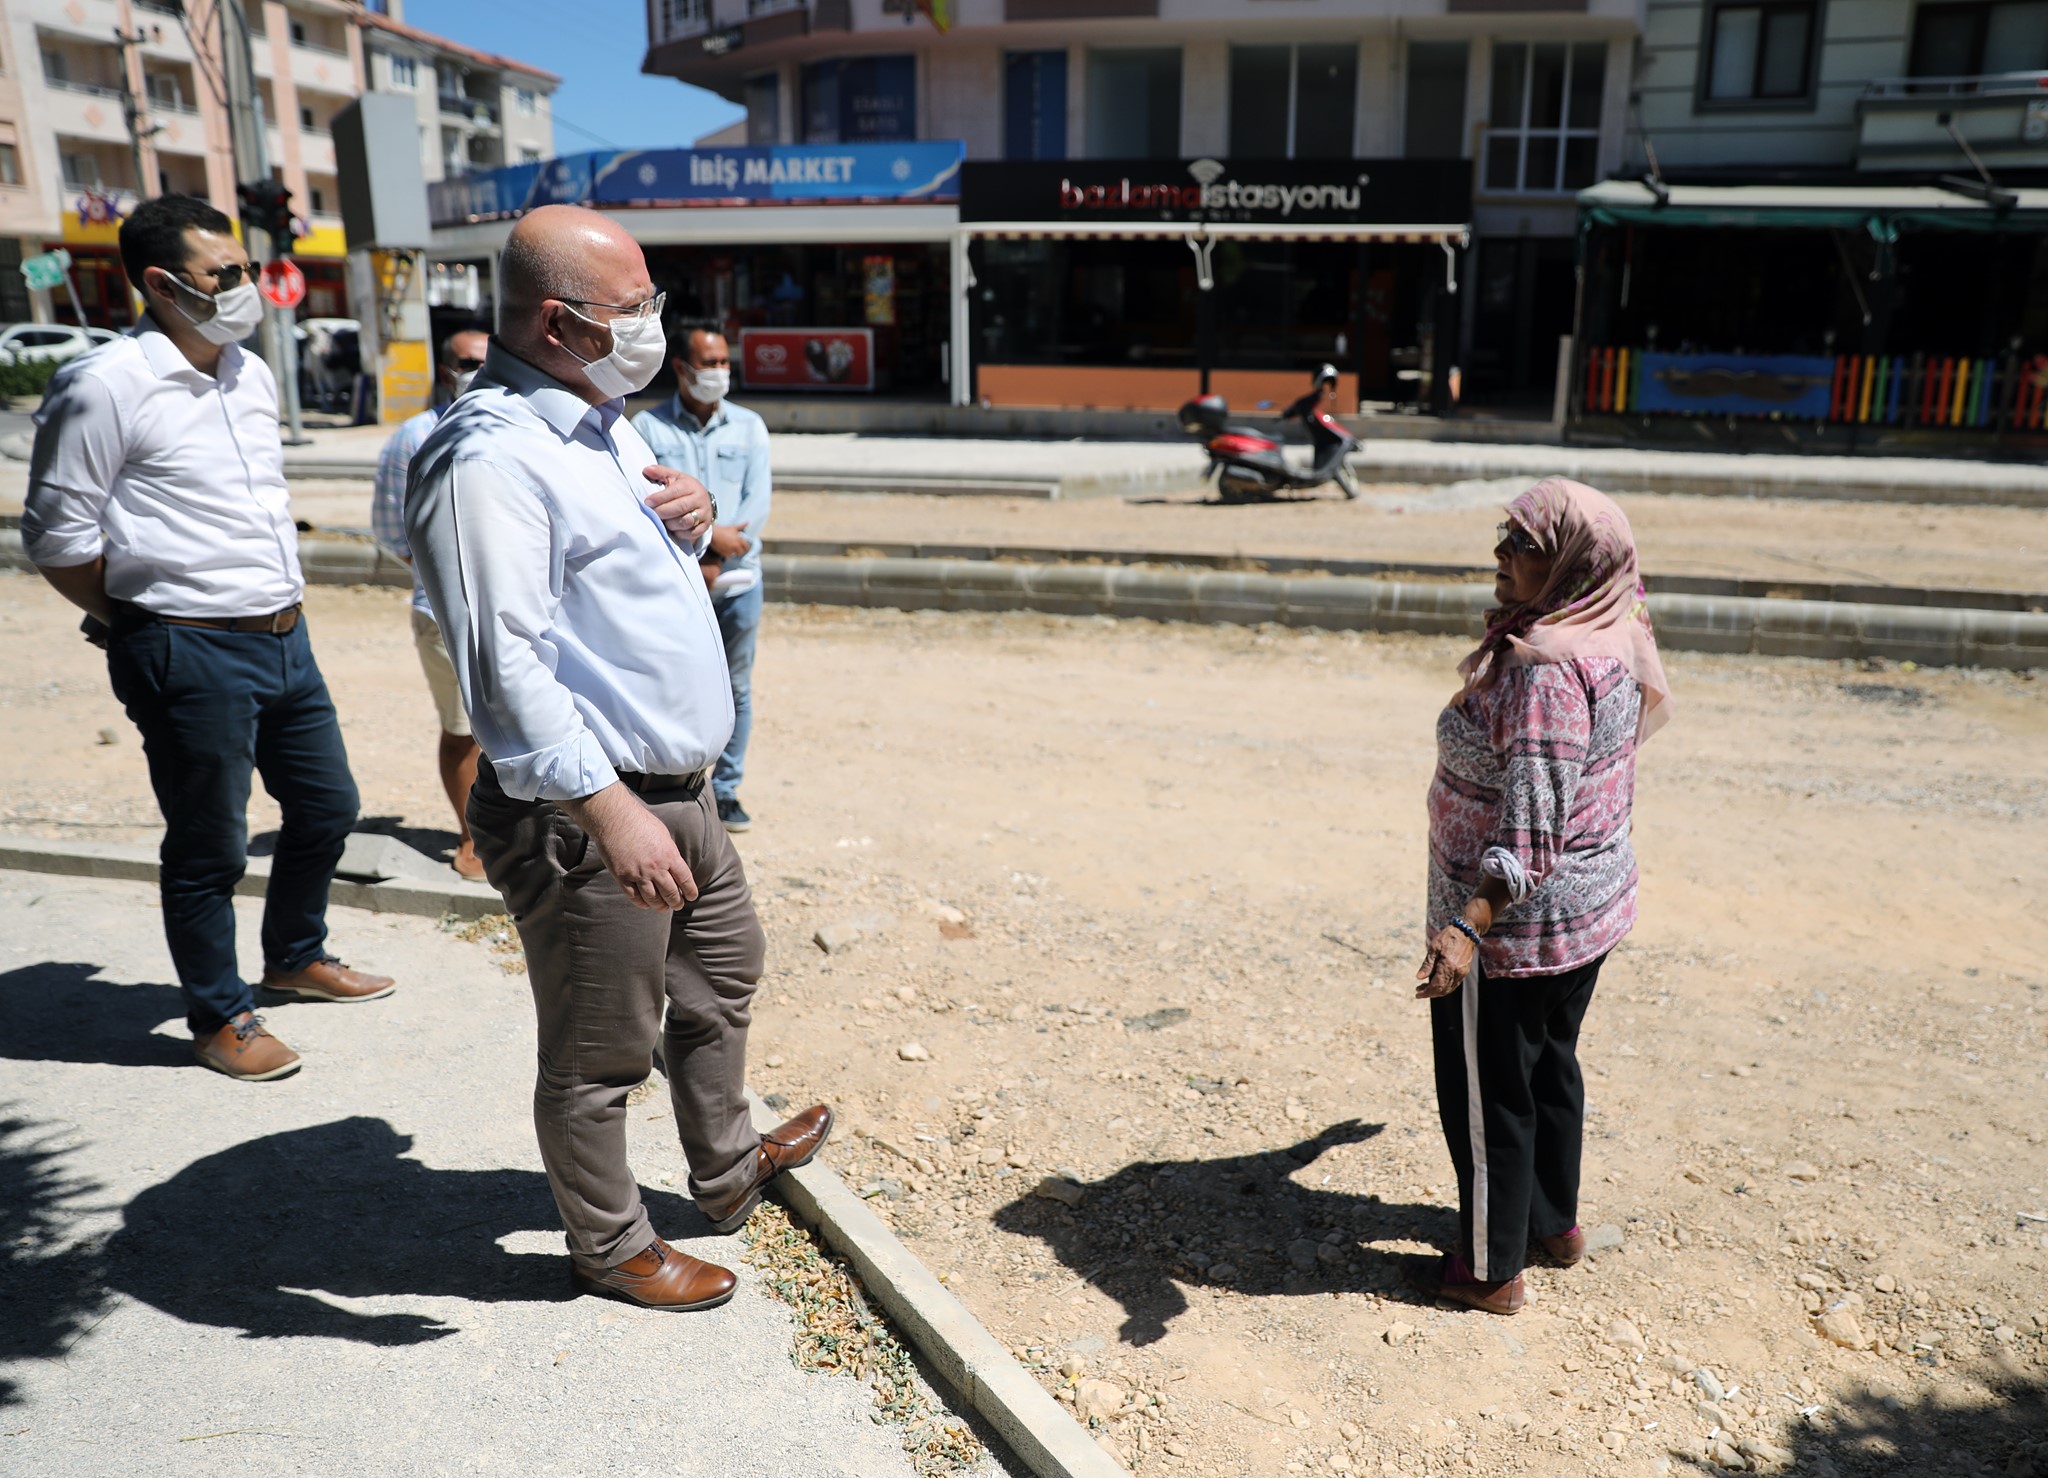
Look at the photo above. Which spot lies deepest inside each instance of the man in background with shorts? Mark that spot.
(462, 355)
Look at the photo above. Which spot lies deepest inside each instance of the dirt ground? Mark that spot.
(1136, 909)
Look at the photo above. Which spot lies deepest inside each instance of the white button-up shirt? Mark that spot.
(175, 475)
(582, 635)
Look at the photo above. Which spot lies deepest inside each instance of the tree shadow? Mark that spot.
(1239, 1221)
(431, 842)
(57, 1011)
(266, 1236)
(50, 1293)
(1934, 1433)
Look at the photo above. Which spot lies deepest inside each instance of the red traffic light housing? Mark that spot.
(267, 207)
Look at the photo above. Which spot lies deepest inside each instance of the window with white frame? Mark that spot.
(10, 165)
(402, 71)
(80, 171)
(1543, 133)
(682, 17)
(1292, 102)
(524, 103)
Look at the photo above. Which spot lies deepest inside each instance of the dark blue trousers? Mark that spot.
(213, 706)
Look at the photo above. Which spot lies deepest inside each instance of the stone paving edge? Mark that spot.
(1035, 1426)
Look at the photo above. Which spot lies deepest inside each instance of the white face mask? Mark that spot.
(462, 383)
(638, 349)
(708, 386)
(237, 313)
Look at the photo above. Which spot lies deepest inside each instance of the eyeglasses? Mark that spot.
(1518, 539)
(226, 276)
(649, 309)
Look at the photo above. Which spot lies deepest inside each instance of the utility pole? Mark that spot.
(252, 162)
(131, 105)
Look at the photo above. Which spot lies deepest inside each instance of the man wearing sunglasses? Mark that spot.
(462, 355)
(157, 504)
(563, 564)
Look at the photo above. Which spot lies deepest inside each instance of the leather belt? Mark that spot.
(277, 623)
(640, 784)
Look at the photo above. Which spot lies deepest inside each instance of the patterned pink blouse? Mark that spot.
(1535, 779)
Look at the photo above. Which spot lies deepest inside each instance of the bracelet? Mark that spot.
(1459, 923)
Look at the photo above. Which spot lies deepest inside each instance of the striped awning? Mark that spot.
(1449, 235)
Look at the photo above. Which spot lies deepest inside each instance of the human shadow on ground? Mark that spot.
(57, 1011)
(430, 842)
(50, 1287)
(265, 1236)
(1239, 1221)
(1862, 1431)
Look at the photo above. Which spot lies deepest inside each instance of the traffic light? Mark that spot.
(267, 207)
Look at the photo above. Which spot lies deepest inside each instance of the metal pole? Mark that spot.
(252, 162)
(71, 290)
(132, 111)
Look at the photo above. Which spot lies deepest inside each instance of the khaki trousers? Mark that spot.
(607, 978)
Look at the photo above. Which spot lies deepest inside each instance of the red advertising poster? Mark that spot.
(807, 358)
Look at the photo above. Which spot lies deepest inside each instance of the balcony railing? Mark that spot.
(473, 109)
(1990, 84)
(90, 89)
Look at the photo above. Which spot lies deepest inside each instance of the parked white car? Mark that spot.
(58, 341)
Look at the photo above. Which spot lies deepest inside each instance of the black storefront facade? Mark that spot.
(1132, 284)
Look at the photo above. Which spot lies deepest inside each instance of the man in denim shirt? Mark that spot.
(725, 447)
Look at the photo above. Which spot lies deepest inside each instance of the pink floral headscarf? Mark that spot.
(1593, 604)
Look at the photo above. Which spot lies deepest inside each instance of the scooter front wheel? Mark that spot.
(1345, 482)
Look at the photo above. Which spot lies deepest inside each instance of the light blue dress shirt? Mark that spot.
(581, 632)
(387, 506)
(728, 454)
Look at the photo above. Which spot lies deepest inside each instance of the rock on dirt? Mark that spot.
(1397, 1334)
(1059, 1188)
(1099, 1399)
(1840, 1325)
(1623, 1335)
(914, 1052)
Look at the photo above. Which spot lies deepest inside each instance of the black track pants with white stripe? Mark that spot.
(1514, 1109)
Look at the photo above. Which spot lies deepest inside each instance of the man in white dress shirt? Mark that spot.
(156, 504)
(562, 565)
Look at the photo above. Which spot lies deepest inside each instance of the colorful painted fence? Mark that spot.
(1848, 389)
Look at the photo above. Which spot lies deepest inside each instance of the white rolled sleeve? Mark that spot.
(79, 451)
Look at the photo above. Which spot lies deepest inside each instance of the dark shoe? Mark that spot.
(243, 1049)
(784, 1148)
(1456, 1283)
(1566, 1249)
(730, 813)
(329, 980)
(660, 1278)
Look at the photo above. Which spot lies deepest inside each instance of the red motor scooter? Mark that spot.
(1250, 465)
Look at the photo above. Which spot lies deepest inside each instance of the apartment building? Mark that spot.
(105, 101)
(477, 110)
(1831, 219)
(1529, 100)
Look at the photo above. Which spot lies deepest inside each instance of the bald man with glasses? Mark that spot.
(562, 563)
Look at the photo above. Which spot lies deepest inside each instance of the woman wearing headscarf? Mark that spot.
(1532, 879)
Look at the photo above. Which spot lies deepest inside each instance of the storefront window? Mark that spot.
(1292, 102)
(1035, 105)
(860, 100)
(1971, 39)
(1544, 133)
(1134, 104)
(1085, 302)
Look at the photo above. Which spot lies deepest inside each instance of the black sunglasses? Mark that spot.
(465, 364)
(226, 276)
(1518, 539)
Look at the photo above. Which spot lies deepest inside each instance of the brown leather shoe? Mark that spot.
(1456, 1283)
(660, 1278)
(329, 980)
(243, 1049)
(783, 1148)
(1566, 1249)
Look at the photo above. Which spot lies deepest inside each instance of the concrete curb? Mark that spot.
(1934, 637)
(131, 862)
(1764, 626)
(1048, 1440)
